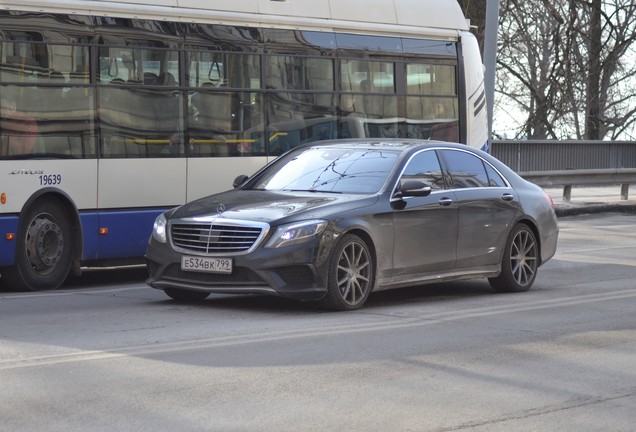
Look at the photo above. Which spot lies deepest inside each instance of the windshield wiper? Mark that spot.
(310, 190)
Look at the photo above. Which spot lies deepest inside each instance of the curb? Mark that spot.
(563, 211)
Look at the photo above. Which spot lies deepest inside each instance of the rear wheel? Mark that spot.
(351, 274)
(185, 295)
(519, 263)
(44, 251)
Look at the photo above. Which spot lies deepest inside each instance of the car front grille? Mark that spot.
(214, 238)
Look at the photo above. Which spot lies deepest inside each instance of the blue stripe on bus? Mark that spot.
(127, 237)
(8, 224)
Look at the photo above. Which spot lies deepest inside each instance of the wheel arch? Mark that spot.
(366, 237)
(535, 230)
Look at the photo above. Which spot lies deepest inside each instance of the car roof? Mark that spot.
(401, 144)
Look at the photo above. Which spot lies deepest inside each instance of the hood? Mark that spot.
(268, 206)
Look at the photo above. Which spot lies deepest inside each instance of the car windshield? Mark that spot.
(329, 169)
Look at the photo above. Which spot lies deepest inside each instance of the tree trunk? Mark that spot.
(594, 110)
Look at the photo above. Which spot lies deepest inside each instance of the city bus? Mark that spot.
(114, 111)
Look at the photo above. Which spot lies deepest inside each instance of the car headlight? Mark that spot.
(159, 229)
(298, 232)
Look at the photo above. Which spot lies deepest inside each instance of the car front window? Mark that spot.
(329, 169)
(425, 166)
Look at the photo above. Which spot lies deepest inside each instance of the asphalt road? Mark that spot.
(106, 353)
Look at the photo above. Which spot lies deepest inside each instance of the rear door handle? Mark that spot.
(507, 197)
(445, 202)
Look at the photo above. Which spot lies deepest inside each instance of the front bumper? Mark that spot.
(297, 272)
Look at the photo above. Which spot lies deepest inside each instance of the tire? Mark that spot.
(519, 263)
(44, 252)
(185, 296)
(351, 275)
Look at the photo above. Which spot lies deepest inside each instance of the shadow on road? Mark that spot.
(424, 294)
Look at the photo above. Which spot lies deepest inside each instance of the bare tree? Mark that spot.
(606, 33)
(475, 11)
(530, 67)
(565, 68)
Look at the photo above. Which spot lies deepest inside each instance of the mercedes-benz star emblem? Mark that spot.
(220, 208)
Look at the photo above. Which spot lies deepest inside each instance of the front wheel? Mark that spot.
(519, 263)
(351, 274)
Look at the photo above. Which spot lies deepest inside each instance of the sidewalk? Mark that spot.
(586, 200)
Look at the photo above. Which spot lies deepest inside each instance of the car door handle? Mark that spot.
(507, 197)
(445, 202)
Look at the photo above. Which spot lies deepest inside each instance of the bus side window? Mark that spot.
(213, 118)
(113, 118)
(19, 129)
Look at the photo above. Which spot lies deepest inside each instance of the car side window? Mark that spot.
(466, 170)
(494, 179)
(425, 166)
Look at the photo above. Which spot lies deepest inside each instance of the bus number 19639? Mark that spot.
(50, 179)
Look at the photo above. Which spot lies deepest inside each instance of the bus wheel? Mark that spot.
(44, 250)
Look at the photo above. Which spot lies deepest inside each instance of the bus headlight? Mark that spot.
(159, 229)
(295, 233)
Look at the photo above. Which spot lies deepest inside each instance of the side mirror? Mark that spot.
(239, 180)
(415, 188)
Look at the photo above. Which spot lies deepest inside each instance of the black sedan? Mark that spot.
(333, 221)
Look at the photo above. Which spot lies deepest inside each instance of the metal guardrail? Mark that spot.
(570, 163)
(583, 177)
(542, 155)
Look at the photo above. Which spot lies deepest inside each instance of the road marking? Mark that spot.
(62, 293)
(324, 330)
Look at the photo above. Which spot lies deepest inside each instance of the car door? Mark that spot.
(486, 208)
(425, 230)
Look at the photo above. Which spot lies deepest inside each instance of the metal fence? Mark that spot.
(524, 156)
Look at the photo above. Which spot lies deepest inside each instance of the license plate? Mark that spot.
(209, 265)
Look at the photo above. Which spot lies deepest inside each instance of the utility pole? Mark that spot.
(490, 57)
